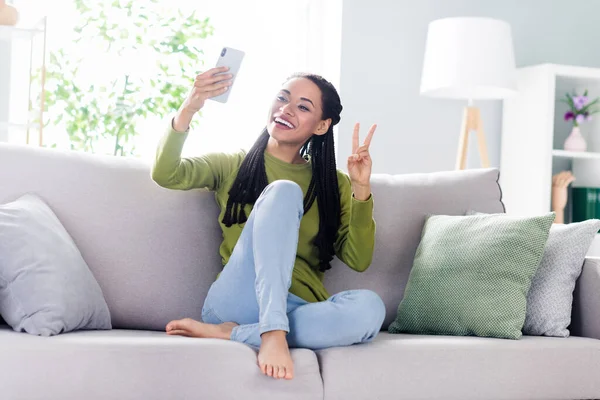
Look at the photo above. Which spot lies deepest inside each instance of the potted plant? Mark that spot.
(580, 110)
(8, 14)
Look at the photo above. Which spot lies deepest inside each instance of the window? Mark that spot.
(279, 38)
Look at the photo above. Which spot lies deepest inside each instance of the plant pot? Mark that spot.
(575, 141)
(8, 14)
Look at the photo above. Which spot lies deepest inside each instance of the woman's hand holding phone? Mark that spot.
(206, 85)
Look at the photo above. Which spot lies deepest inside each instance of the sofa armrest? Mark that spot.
(585, 318)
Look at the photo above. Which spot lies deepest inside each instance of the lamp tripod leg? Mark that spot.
(463, 141)
(483, 153)
(471, 122)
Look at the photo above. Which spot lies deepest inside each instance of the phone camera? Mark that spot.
(223, 52)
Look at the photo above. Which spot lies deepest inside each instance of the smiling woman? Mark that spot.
(286, 211)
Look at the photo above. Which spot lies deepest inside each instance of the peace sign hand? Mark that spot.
(360, 163)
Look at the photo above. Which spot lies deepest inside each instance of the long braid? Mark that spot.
(327, 192)
(251, 179)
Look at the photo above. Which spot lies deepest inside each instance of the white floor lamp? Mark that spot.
(469, 58)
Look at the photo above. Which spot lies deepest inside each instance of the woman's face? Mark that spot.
(296, 113)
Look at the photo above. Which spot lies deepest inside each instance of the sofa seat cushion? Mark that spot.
(403, 366)
(126, 364)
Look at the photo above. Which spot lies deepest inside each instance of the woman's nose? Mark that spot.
(287, 109)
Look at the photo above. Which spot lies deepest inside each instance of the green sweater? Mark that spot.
(355, 238)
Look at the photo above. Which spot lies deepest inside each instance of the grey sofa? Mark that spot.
(154, 252)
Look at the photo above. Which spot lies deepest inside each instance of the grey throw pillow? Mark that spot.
(550, 297)
(46, 287)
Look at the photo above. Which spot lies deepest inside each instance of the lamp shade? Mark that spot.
(469, 58)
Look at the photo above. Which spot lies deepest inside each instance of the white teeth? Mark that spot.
(284, 122)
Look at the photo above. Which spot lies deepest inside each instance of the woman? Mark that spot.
(285, 212)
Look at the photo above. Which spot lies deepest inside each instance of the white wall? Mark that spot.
(4, 87)
(382, 54)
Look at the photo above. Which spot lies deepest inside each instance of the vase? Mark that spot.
(8, 14)
(575, 141)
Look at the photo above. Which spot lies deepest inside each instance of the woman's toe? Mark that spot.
(281, 373)
(289, 373)
(263, 368)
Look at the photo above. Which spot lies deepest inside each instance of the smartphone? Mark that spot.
(231, 58)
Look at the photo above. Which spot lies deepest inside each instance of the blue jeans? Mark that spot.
(252, 289)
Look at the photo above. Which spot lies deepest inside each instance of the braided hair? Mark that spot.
(251, 179)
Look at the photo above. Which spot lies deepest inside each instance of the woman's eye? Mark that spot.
(281, 98)
(304, 108)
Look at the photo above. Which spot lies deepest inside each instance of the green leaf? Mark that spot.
(587, 106)
(90, 115)
(570, 102)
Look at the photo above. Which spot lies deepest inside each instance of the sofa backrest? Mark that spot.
(401, 203)
(154, 251)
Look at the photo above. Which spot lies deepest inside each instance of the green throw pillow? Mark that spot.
(471, 275)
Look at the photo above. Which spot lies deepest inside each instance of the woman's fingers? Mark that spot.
(210, 81)
(355, 137)
(362, 148)
(362, 155)
(370, 135)
(210, 88)
(211, 72)
(217, 92)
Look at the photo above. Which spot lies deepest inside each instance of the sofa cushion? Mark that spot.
(401, 203)
(550, 297)
(471, 275)
(153, 251)
(404, 366)
(46, 288)
(121, 364)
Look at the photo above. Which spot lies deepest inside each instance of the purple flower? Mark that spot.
(580, 118)
(579, 102)
(569, 116)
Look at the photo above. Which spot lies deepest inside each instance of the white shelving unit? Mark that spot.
(20, 32)
(575, 154)
(26, 47)
(533, 134)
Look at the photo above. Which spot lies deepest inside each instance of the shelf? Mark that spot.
(20, 31)
(10, 125)
(575, 154)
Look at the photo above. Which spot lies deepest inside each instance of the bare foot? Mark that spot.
(192, 328)
(274, 357)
